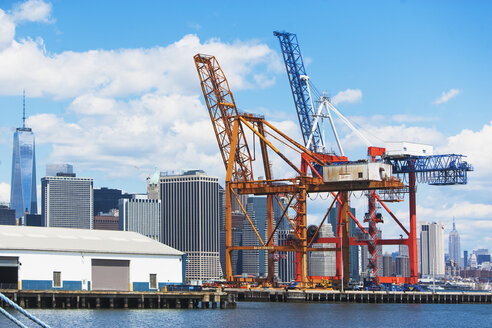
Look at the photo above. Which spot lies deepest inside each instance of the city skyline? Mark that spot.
(100, 121)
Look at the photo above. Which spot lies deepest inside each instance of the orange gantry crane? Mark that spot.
(230, 126)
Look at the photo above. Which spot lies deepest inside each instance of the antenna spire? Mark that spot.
(454, 227)
(24, 108)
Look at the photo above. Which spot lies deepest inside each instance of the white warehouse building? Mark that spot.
(41, 258)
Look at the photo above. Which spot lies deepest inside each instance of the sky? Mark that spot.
(112, 88)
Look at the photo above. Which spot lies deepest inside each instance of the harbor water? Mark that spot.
(250, 314)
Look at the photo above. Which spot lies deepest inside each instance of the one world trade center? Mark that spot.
(23, 187)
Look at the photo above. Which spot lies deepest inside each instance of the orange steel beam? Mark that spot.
(352, 216)
(392, 215)
(285, 211)
(298, 145)
(222, 110)
(323, 221)
(279, 221)
(314, 185)
(284, 248)
(270, 145)
(247, 216)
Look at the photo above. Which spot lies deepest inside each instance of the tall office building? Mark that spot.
(67, 201)
(455, 246)
(106, 199)
(190, 221)
(287, 260)
(432, 249)
(355, 251)
(23, 196)
(402, 262)
(482, 255)
(465, 259)
(387, 265)
(142, 215)
(7, 216)
(323, 263)
(53, 169)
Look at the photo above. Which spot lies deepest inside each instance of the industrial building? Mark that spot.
(40, 258)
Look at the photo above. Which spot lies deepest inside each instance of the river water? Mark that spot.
(275, 315)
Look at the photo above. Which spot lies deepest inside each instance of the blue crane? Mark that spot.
(437, 170)
(299, 83)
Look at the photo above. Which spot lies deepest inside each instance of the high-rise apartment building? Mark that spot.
(142, 215)
(190, 221)
(432, 249)
(455, 246)
(23, 196)
(67, 201)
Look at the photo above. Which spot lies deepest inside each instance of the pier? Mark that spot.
(333, 296)
(63, 299)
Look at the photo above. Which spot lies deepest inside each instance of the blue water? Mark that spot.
(277, 315)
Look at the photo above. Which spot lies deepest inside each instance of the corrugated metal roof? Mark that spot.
(80, 240)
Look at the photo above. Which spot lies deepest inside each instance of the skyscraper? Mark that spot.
(432, 249)
(67, 202)
(106, 199)
(190, 221)
(53, 169)
(142, 215)
(323, 263)
(455, 246)
(23, 186)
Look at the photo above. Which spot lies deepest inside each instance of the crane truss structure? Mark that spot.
(271, 140)
(435, 170)
(438, 170)
(222, 110)
(300, 89)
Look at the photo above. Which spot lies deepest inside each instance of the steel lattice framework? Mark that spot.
(447, 169)
(299, 85)
(222, 110)
(228, 126)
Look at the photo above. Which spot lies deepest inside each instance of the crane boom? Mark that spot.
(299, 84)
(222, 110)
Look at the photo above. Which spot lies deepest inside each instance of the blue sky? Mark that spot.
(112, 87)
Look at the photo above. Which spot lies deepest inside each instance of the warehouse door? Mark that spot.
(9, 272)
(110, 274)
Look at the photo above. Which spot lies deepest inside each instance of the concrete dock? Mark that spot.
(125, 300)
(332, 296)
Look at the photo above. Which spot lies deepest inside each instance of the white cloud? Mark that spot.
(475, 145)
(4, 192)
(32, 11)
(129, 72)
(7, 30)
(446, 96)
(347, 96)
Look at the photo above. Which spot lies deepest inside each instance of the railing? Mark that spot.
(22, 311)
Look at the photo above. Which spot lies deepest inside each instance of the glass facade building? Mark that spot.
(23, 186)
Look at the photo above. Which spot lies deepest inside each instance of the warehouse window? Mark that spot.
(153, 281)
(57, 279)
(360, 175)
